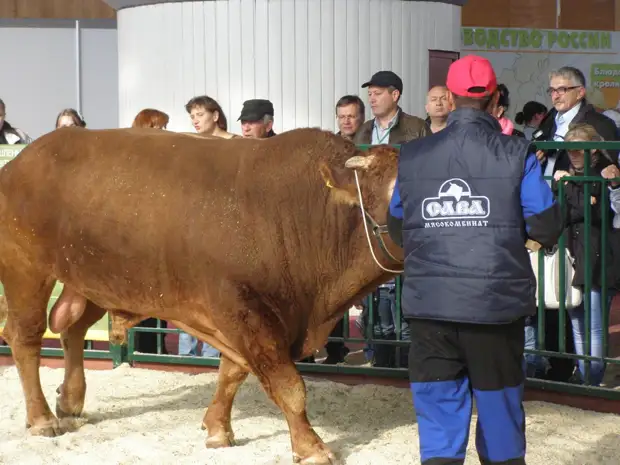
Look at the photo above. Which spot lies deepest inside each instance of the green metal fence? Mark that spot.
(592, 185)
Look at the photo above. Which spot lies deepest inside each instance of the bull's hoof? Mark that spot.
(220, 440)
(324, 457)
(49, 428)
(65, 413)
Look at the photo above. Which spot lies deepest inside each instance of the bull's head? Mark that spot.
(367, 182)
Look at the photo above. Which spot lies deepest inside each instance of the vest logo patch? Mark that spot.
(455, 206)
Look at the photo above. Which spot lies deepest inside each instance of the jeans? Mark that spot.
(188, 345)
(537, 364)
(385, 317)
(577, 317)
(384, 327)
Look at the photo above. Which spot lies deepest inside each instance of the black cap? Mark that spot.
(385, 79)
(254, 110)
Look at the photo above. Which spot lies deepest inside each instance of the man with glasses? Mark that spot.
(350, 112)
(567, 89)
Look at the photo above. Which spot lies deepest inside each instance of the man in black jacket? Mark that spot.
(468, 198)
(567, 89)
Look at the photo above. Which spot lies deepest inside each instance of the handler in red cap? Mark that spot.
(465, 201)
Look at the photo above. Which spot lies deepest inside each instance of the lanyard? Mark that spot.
(386, 135)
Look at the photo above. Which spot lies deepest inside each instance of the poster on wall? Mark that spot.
(97, 332)
(8, 152)
(523, 58)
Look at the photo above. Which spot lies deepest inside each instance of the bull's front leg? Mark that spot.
(286, 387)
(70, 402)
(269, 356)
(217, 418)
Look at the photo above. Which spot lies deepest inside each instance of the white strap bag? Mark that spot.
(551, 275)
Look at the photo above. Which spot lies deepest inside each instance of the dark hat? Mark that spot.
(385, 79)
(254, 110)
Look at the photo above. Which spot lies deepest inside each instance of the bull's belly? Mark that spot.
(140, 289)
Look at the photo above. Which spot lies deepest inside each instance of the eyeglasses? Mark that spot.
(561, 90)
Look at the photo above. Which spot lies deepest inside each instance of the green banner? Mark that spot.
(605, 75)
(8, 152)
(97, 332)
(484, 38)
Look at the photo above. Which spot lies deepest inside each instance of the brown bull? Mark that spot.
(256, 246)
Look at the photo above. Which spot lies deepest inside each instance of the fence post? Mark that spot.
(119, 354)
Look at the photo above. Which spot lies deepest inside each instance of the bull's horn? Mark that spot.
(359, 162)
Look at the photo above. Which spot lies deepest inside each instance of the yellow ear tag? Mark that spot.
(329, 184)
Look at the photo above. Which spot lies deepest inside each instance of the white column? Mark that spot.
(301, 54)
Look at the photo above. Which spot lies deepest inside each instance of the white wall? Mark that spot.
(39, 76)
(301, 54)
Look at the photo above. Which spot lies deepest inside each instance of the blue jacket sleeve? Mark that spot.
(396, 205)
(395, 217)
(541, 212)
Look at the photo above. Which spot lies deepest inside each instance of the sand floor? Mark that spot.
(137, 416)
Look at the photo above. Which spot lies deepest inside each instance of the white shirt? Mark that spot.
(563, 120)
(614, 200)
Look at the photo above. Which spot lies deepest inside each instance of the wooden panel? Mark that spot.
(590, 15)
(55, 9)
(617, 11)
(8, 8)
(531, 13)
(509, 13)
(485, 13)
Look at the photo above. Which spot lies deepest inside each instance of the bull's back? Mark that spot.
(127, 206)
(153, 211)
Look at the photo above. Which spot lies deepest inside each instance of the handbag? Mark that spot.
(551, 274)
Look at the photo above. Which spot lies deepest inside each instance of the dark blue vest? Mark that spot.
(463, 228)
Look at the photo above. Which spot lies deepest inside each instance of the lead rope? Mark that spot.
(372, 251)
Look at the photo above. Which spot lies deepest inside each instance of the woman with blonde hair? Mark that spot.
(601, 164)
(151, 118)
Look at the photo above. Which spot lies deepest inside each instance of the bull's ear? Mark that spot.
(340, 183)
(359, 162)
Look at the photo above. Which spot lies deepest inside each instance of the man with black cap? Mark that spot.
(465, 202)
(390, 125)
(257, 119)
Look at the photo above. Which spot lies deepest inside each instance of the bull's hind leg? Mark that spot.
(27, 296)
(217, 419)
(70, 402)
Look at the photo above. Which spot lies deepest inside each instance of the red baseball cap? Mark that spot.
(471, 76)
